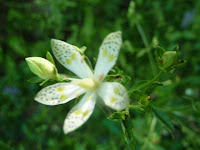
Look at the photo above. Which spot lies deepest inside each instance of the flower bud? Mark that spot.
(168, 59)
(144, 100)
(42, 67)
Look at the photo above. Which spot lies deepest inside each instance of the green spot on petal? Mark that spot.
(73, 56)
(60, 89)
(116, 90)
(112, 100)
(68, 61)
(105, 53)
(111, 58)
(86, 113)
(78, 112)
(63, 97)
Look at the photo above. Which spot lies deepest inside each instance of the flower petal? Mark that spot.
(59, 93)
(70, 58)
(114, 95)
(80, 112)
(108, 54)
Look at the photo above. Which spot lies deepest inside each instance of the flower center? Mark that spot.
(88, 83)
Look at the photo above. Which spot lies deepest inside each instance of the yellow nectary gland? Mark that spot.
(88, 83)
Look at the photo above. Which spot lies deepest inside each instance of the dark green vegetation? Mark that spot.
(26, 28)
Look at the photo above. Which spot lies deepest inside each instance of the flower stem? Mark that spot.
(147, 46)
(159, 75)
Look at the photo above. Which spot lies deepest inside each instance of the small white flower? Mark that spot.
(112, 93)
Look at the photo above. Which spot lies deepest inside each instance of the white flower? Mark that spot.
(113, 94)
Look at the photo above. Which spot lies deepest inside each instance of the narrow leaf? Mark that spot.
(41, 84)
(35, 80)
(127, 128)
(164, 119)
(50, 57)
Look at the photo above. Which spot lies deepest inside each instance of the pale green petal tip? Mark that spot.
(53, 41)
(117, 33)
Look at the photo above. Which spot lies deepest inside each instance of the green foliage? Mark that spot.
(127, 128)
(26, 30)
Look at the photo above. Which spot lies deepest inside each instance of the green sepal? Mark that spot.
(180, 62)
(118, 115)
(50, 57)
(142, 98)
(35, 80)
(83, 49)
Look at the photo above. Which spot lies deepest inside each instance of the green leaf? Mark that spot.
(160, 51)
(138, 108)
(127, 128)
(35, 80)
(50, 57)
(164, 119)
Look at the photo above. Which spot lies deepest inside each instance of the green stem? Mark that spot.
(147, 46)
(159, 75)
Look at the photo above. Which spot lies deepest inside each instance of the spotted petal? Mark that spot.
(114, 95)
(108, 54)
(80, 113)
(59, 93)
(70, 58)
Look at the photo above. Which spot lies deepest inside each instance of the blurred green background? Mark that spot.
(26, 28)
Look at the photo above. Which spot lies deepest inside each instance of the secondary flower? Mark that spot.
(113, 94)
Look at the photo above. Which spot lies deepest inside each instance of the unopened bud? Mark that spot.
(144, 100)
(42, 67)
(168, 59)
